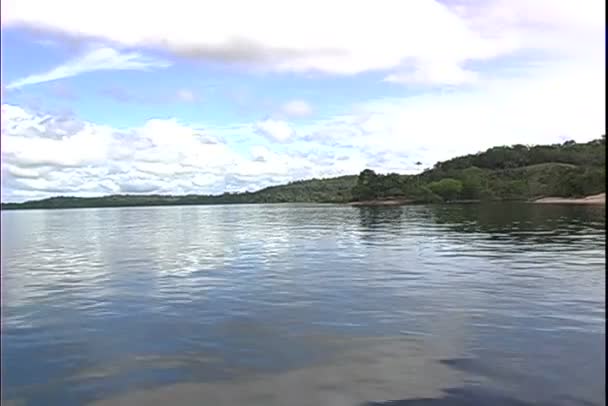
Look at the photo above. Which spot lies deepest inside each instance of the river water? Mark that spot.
(500, 304)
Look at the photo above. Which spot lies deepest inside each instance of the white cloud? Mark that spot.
(275, 130)
(445, 74)
(564, 26)
(36, 141)
(550, 100)
(103, 58)
(260, 153)
(567, 102)
(341, 37)
(296, 108)
(44, 155)
(18, 172)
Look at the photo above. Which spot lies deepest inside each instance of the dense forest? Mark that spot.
(517, 172)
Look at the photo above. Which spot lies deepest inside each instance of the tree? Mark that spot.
(367, 187)
(447, 188)
(366, 177)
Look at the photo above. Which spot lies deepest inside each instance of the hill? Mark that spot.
(332, 190)
(502, 173)
(516, 172)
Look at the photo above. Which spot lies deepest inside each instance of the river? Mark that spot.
(500, 304)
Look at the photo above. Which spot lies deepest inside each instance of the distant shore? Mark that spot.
(598, 199)
(384, 202)
(594, 199)
(402, 202)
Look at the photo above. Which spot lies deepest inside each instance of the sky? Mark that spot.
(177, 97)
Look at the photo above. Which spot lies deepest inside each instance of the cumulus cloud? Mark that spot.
(103, 58)
(45, 155)
(567, 102)
(260, 153)
(339, 37)
(275, 129)
(557, 96)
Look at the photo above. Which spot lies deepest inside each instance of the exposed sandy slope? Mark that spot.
(594, 199)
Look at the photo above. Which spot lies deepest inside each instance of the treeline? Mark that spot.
(502, 173)
(333, 190)
(581, 154)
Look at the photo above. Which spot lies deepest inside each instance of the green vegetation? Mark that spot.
(447, 188)
(334, 190)
(502, 173)
(518, 172)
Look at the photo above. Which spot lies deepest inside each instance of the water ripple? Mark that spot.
(139, 298)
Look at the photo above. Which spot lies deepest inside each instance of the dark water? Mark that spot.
(305, 305)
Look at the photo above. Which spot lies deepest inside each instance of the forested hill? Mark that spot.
(332, 190)
(517, 172)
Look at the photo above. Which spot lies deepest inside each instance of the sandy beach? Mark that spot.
(593, 199)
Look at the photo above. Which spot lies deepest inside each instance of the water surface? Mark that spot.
(304, 305)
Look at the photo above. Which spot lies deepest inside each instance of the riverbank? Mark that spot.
(402, 202)
(386, 202)
(594, 199)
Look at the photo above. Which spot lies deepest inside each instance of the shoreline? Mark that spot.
(593, 199)
(387, 202)
(598, 199)
(404, 202)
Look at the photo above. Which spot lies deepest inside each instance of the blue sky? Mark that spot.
(103, 98)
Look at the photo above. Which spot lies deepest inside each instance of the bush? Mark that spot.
(447, 188)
